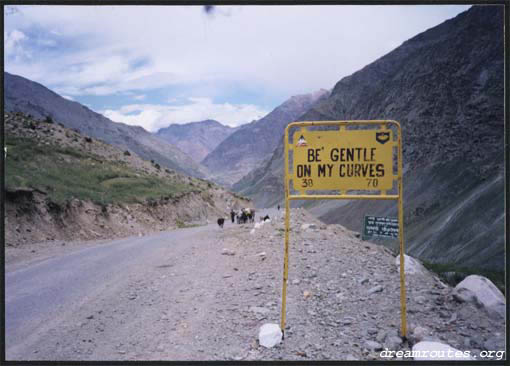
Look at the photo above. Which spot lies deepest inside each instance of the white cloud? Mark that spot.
(139, 97)
(12, 38)
(47, 42)
(66, 90)
(154, 116)
(13, 43)
(274, 49)
(67, 97)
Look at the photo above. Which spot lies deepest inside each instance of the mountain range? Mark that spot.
(197, 139)
(446, 88)
(26, 96)
(254, 142)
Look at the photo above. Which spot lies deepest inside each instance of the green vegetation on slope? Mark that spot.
(65, 173)
(461, 272)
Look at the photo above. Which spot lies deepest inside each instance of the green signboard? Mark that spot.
(386, 227)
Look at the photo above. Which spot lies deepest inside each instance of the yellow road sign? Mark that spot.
(342, 160)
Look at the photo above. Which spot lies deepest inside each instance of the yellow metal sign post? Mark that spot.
(353, 156)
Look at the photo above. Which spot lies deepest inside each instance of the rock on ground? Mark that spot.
(411, 265)
(270, 335)
(438, 351)
(482, 292)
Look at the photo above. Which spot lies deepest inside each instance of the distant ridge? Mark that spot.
(197, 139)
(254, 142)
(29, 97)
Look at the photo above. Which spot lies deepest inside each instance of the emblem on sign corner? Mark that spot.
(301, 142)
(382, 137)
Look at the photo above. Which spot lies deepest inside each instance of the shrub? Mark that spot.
(105, 182)
(127, 153)
(48, 119)
(29, 124)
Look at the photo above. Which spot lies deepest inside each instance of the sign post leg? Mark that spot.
(286, 244)
(285, 265)
(402, 251)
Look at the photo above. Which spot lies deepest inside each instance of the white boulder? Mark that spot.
(308, 227)
(270, 335)
(426, 350)
(411, 265)
(258, 225)
(482, 292)
(420, 334)
(226, 251)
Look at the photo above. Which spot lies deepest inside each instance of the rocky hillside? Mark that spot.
(197, 139)
(445, 87)
(253, 143)
(64, 185)
(23, 95)
(344, 297)
(343, 300)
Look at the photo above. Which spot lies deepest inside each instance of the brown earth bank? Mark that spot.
(30, 217)
(62, 185)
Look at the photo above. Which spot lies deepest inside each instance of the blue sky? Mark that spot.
(155, 65)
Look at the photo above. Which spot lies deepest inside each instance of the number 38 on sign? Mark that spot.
(343, 160)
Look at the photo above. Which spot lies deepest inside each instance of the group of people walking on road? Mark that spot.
(243, 216)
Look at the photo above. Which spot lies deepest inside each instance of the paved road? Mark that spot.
(43, 294)
(45, 301)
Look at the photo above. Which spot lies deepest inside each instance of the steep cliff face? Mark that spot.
(242, 151)
(26, 96)
(197, 139)
(445, 87)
